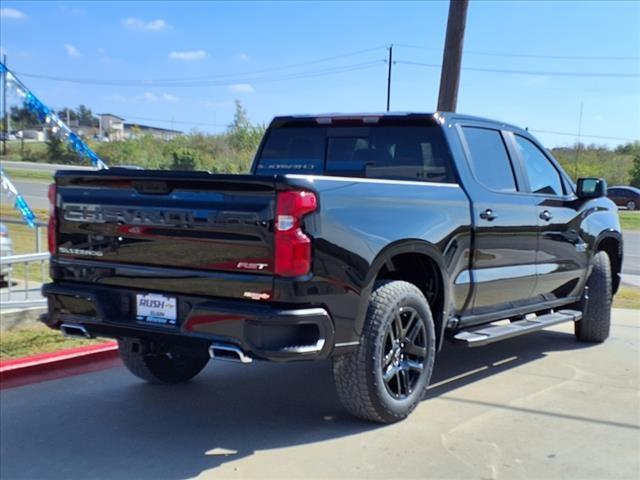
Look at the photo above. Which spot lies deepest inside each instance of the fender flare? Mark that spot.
(617, 236)
(399, 247)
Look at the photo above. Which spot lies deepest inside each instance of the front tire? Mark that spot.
(165, 365)
(596, 303)
(387, 376)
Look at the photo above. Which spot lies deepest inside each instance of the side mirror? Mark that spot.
(592, 187)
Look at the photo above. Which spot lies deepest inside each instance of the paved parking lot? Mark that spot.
(542, 406)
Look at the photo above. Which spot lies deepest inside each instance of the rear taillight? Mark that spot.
(53, 221)
(292, 246)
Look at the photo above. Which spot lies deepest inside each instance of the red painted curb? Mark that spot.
(63, 363)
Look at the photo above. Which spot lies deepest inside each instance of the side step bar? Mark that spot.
(494, 333)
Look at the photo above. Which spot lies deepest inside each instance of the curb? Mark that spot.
(63, 363)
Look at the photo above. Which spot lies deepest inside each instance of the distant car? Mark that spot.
(623, 196)
(6, 249)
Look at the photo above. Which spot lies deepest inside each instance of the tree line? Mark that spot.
(233, 150)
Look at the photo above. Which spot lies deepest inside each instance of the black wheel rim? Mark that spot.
(404, 352)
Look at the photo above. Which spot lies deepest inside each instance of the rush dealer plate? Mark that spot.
(157, 309)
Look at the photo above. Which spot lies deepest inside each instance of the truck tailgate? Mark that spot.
(185, 220)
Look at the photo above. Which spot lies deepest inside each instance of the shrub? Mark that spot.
(185, 159)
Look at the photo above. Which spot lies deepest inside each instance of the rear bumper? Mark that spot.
(264, 331)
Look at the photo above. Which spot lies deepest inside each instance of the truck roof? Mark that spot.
(439, 117)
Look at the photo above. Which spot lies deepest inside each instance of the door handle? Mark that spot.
(488, 215)
(546, 215)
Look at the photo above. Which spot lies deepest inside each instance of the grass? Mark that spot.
(627, 297)
(45, 176)
(36, 339)
(629, 220)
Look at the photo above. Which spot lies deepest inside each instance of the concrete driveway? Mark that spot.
(541, 406)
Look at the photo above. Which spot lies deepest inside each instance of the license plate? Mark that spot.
(155, 308)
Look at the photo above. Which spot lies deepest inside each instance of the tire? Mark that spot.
(169, 366)
(397, 310)
(631, 205)
(596, 303)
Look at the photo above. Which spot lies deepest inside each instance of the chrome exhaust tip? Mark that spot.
(74, 330)
(229, 353)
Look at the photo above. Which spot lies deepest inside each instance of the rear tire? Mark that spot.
(596, 303)
(170, 365)
(387, 376)
(631, 205)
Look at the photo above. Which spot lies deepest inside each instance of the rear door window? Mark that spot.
(489, 159)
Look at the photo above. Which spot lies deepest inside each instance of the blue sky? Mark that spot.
(240, 47)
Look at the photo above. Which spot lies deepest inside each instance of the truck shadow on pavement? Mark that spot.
(110, 425)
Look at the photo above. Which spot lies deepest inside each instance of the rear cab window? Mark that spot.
(402, 152)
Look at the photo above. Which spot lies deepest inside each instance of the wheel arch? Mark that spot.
(611, 242)
(394, 262)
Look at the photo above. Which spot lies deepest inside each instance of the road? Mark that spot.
(34, 192)
(541, 406)
(42, 167)
(631, 261)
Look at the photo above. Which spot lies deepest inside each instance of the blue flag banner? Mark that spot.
(50, 118)
(19, 202)
(57, 127)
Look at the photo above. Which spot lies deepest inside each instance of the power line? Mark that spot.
(281, 77)
(183, 122)
(282, 67)
(568, 134)
(528, 72)
(522, 55)
(225, 76)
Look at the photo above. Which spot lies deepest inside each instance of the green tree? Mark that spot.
(185, 159)
(57, 151)
(23, 118)
(242, 134)
(634, 173)
(73, 116)
(86, 117)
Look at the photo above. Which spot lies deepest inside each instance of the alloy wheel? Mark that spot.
(404, 352)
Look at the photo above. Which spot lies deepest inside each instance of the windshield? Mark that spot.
(394, 152)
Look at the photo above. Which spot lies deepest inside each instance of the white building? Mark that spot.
(111, 126)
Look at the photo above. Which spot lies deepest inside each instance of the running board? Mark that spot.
(494, 333)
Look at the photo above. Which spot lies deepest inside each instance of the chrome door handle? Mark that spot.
(488, 215)
(546, 215)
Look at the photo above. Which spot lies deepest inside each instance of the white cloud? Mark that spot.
(11, 14)
(243, 57)
(101, 51)
(71, 50)
(189, 55)
(144, 26)
(240, 88)
(169, 98)
(148, 97)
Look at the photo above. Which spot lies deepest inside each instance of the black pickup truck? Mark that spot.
(367, 239)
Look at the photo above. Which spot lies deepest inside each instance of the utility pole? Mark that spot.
(452, 56)
(389, 76)
(5, 118)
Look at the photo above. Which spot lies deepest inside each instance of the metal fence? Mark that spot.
(22, 289)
